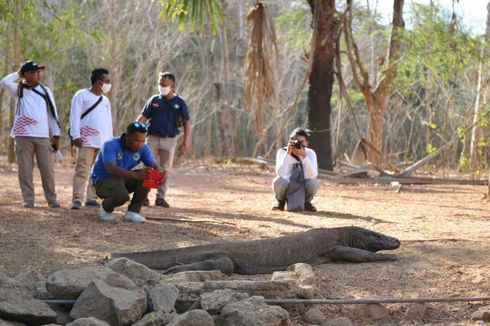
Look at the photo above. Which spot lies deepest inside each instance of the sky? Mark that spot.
(473, 13)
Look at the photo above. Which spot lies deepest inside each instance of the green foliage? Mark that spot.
(196, 13)
(293, 29)
(429, 148)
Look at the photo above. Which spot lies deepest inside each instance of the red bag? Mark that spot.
(155, 180)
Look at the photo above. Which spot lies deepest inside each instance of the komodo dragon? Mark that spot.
(316, 246)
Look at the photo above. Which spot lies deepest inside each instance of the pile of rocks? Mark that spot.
(124, 292)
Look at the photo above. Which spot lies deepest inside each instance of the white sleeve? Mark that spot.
(53, 121)
(284, 163)
(75, 114)
(310, 164)
(9, 82)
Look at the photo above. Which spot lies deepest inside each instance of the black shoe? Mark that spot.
(146, 202)
(92, 203)
(309, 207)
(161, 202)
(280, 206)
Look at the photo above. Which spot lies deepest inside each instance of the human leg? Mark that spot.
(45, 164)
(24, 150)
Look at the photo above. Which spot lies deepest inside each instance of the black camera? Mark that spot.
(297, 144)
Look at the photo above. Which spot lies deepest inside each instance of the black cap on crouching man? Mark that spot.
(30, 66)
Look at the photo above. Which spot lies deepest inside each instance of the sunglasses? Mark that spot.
(140, 125)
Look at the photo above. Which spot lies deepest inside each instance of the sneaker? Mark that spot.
(54, 204)
(161, 202)
(280, 206)
(309, 207)
(146, 202)
(133, 217)
(106, 216)
(92, 203)
(76, 204)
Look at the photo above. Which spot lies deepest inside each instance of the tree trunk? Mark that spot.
(324, 42)
(17, 61)
(476, 156)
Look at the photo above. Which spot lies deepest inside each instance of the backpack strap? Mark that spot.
(90, 109)
(49, 104)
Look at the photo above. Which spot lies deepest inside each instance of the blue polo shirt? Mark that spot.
(159, 109)
(114, 151)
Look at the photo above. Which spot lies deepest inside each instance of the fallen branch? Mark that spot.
(158, 219)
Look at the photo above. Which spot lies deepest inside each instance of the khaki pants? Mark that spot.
(115, 192)
(25, 149)
(163, 150)
(85, 159)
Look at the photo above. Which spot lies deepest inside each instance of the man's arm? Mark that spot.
(284, 163)
(310, 164)
(53, 121)
(142, 118)
(75, 114)
(187, 136)
(9, 82)
(121, 173)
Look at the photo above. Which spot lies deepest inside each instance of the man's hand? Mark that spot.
(142, 174)
(78, 142)
(292, 150)
(55, 143)
(186, 145)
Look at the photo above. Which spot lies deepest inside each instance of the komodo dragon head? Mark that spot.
(369, 240)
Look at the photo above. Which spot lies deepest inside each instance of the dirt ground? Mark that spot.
(443, 229)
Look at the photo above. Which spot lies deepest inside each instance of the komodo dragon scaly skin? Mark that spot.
(316, 246)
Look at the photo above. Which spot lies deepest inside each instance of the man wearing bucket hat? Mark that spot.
(36, 130)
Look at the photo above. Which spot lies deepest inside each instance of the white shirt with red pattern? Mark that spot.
(33, 118)
(96, 127)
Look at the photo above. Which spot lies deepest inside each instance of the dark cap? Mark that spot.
(137, 127)
(30, 65)
(168, 75)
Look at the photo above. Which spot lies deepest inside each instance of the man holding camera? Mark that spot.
(165, 113)
(299, 161)
(36, 130)
(113, 177)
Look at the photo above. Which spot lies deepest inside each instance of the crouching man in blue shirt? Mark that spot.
(113, 178)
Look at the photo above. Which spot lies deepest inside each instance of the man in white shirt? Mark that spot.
(289, 157)
(90, 128)
(35, 118)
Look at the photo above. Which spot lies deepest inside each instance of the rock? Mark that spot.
(62, 313)
(482, 314)
(314, 316)
(10, 323)
(375, 311)
(41, 292)
(18, 304)
(415, 312)
(193, 318)
(194, 276)
(114, 303)
(70, 283)
(252, 311)
(136, 272)
(155, 318)
(163, 297)
(268, 289)
(215, 301)
(302, 274)
(90, 321)
(29, 278)
(338, 322)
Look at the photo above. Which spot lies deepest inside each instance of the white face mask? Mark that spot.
(164, 90)
(106, 88)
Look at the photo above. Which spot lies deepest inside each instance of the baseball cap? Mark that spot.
(30, 65)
